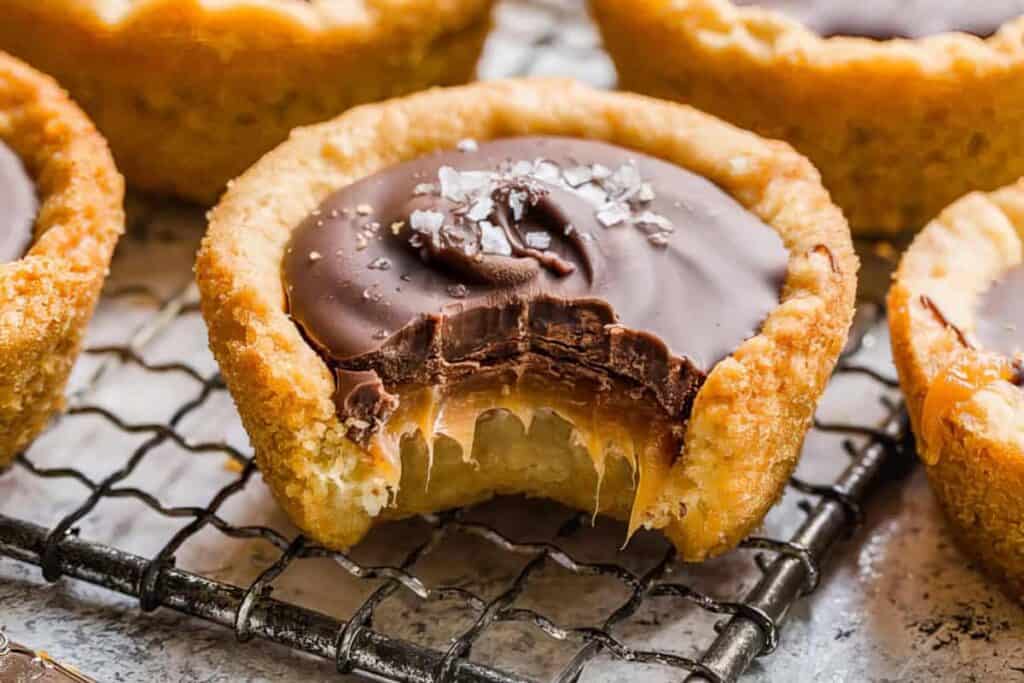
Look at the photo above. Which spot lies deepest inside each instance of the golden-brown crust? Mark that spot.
(975, 461)
(898, 128)
(750, 418)
(47, 297)
(191, 93)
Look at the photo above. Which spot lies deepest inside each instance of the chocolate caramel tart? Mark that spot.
(191, 92)
(903, 106)
(60, 217)
(958, 341)
(536, 288)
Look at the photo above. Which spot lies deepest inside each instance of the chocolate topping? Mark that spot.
(1000, 325)
(17, 206)
(575, 256)
(885, 19)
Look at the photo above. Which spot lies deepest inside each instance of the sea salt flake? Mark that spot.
(625, 182)
(645, 193)
(361, 241)
(426, 222)
(315, 256)
(517, 203)
(493, 240)
(424, 189)
(658, 239)
(600, 171)
(593, 193)
(467, 145)
(650, 221)
(612, 214)
(481, 209)
(546, 171)
(364, 209)
(538, 240)
(578, 175)
(457, 291)
(459, 186)
(521, 168)
(380, 263)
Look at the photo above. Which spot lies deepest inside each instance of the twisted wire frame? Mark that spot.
(746, 624)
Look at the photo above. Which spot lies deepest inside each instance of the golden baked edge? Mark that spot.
(190, 93)
(749, 420)
(47, 297)
(977, 450)
(898, 129)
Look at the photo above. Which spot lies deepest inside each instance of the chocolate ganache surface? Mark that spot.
(1000, 325)
(17, 206)
(577, 254)
(885, 19)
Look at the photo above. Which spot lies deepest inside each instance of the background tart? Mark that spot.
(747, 422)
(47, 294)
(960, 371)
(190, 93)
(898, 128)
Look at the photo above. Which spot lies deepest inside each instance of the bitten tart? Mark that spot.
(191, 92)
(528, 287)
(902, 105)
(60, 217)
(957, 324)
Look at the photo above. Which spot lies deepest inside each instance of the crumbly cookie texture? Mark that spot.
(47, 297)
(973, 439)
(898, 129)
(748, 422)
(190, 93)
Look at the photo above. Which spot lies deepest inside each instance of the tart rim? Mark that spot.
(47, 296)
(283, 388)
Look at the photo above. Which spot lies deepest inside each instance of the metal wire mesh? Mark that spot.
(604, 603)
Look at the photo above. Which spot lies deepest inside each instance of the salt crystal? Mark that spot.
(427, 222)
(361, 241)
(493, 240)
(612, 214)
(645, 193)
(658, 239)
(593, 193)
(381, 334)
(517, 202)
(364, 209)
(538, 240)
(578, 175)
(457, 291)
(315, 256)
(380, 263)
(424, 188)
(625, 182)
(481, 209)
(467, 145)
(546, 171)
(521, 168)
(600, 171)
(652, 221)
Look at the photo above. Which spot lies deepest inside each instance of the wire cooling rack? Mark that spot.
(508, 591)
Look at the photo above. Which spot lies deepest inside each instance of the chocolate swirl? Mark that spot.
(17, 206)
(886, 19)
(588, 256)
(1000, 325)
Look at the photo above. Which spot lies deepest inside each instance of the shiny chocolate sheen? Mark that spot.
(17, 206)
(575, 255)
(887, 19)
(1000, 324)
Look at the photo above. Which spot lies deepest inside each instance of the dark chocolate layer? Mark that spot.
(1000, 325)
(588, 258)
(17, 206)
(885, 19)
